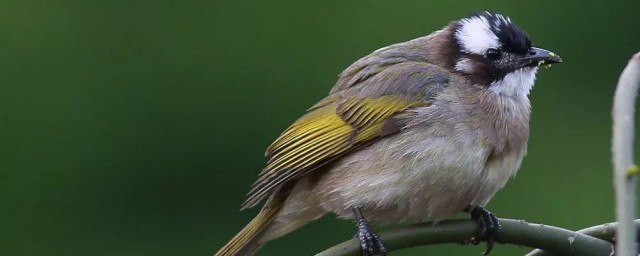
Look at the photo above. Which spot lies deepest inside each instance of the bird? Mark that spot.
(413, 132)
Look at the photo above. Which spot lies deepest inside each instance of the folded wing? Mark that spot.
(346, 120)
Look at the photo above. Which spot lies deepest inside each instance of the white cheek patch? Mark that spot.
(516, 83)
(464, 65)
(475, 35)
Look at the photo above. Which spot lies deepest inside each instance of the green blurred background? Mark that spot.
(136, 127)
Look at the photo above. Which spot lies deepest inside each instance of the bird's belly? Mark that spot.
(413, 177)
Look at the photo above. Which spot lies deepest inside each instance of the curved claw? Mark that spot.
(370, 242)
(489, 226)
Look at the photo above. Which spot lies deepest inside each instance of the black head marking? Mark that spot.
(512, 38)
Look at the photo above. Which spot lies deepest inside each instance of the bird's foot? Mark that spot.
(489, 226)
(370, 242)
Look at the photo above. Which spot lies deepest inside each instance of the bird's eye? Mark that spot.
(493, 54)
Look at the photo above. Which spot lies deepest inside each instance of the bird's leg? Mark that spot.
(369, 241)
(489, 225)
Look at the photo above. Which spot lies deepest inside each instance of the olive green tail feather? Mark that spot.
(247, 241)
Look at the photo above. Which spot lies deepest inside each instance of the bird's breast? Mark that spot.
(426, 172)
(414, 176)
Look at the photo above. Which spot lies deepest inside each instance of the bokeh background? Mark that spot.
(136, 127)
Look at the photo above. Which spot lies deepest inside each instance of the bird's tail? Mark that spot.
(247, 241)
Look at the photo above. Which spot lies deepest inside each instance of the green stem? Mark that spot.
(518, 232)
(624, 170)
(605, 231)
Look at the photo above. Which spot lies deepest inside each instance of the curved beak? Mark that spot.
(538, 56)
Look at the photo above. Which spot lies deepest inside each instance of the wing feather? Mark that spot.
(342, 122)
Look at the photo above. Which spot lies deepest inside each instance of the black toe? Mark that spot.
(489, 226)
(370, 242)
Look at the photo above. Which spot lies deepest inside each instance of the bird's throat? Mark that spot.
(515, 84)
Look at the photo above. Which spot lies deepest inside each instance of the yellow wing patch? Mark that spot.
(322, 135)
(369, 115)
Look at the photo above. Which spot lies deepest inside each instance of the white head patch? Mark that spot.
(516, 83)
(475, 34)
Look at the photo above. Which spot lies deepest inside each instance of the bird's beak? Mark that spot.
(536, 57)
